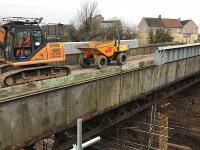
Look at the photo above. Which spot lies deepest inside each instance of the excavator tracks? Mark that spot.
(3, 68)
(30, 74)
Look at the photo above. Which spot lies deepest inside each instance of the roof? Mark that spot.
(172, 23)
(154, 22)
(184, 22)
(163, 22)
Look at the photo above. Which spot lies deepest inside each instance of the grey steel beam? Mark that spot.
(168, 54)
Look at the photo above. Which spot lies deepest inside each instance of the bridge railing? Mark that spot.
(173, 53)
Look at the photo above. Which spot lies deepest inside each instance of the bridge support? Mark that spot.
(161, 128)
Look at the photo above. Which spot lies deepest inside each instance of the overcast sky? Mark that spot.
(63, 11)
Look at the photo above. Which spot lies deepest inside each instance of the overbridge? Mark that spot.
(33, 111)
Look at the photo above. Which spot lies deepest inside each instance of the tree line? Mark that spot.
(87, 26)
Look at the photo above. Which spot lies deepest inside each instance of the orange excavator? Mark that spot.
(25, 53)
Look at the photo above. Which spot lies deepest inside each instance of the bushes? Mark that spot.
(160, 36)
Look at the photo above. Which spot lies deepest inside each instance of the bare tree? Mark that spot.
(88, 10)
(126, 30)
(130, 32)
(85, 20)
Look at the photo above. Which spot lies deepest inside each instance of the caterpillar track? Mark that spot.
(10, 76)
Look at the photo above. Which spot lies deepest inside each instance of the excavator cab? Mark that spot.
(25, 43)
(22, 43)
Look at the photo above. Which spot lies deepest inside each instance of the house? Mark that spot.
(112, 24)
(181, 31)
(190, 31)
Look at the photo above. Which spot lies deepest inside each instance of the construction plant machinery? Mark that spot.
(101, 53)
(26, 53)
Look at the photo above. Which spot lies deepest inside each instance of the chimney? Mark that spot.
(179, 19)
(159, 16)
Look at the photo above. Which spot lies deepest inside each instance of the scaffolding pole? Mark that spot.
(79, 145)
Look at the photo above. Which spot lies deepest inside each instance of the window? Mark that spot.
(22, 39)
(195, 30)
(8, 48)
(22, 44)
(37, 37)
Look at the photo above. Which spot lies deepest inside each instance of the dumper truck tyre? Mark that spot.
(121, 58)
(84, 62)
(101, 62)
(109, 60)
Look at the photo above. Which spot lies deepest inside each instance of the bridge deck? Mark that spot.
(76, 69)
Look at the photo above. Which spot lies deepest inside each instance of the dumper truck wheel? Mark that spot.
(109, 61)
(85, 62)
(121, 58)
(101, 62)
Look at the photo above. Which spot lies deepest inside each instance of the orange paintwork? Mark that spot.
(96, 47)
(108, 51)
(41, 55)
(52, 52)
(2, 34)
(89, 52)
(106, 48)
(26, 63)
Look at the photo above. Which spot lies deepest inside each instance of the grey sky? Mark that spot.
(63, 11)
